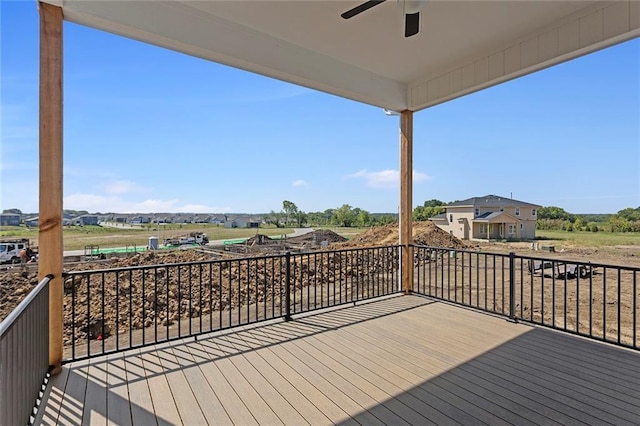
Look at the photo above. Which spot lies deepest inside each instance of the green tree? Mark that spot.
(289, 209)
(301, 218)
(555, 213)
(619, 224)
(630, 214)
(433, 203)
(274, 218)
(578, 224)
(364, 218)
(344, 216)
(428, 210)
(386, 219)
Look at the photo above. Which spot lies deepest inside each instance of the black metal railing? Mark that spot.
(589, 299)
(24, 356)
(110, 310)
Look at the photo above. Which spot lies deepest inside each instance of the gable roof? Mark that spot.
(491, 217)
(491, 201)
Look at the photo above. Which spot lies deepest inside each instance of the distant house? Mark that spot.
(217, 219)
(86, 220)
(242, 222)
(10, 219)
(31, 222)
(183, 218)
(201, 218)
(137, 220)
(489, 217)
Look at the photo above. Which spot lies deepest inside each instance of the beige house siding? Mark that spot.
(502, 219)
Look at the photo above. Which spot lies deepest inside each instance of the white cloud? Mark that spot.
(299, 183)
(385, 178)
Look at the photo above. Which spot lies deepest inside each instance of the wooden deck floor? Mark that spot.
(402, 360)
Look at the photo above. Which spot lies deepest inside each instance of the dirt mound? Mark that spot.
(259, 239)
(13, 288)
(318, 236)
(424, 233)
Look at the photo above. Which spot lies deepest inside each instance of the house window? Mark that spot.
(533, 212)
(451, 218)
(521, 226)
(483, 228)
(517, 211)
(512, 229)
(477, 212)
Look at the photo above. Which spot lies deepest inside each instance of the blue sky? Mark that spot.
(150, 130)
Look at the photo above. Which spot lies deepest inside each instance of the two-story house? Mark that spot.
(489, 218)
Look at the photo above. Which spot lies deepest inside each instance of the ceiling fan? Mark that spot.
(411, 14)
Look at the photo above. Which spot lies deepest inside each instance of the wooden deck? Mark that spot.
(402, 360)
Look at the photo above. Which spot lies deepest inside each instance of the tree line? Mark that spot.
(549, 218)
(345, 215)
(556, 218)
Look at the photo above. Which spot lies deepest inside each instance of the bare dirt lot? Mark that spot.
(577, 304)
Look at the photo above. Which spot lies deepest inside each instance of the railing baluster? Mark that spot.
(130, 308)
(73, 318)
(634, 312)
(142, 300)
(619, 303)
(512, 285)
(88, 315)
(604, 305)
(287, 315)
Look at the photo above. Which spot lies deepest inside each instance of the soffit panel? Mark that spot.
(463, 46)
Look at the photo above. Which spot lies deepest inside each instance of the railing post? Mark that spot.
(512, 286)
(405, 219)
(50, 173)
(287, 287)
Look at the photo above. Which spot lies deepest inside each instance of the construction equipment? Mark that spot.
(193, 238)
(10, 249)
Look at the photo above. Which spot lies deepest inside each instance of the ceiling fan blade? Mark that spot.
(361, 8)
(411, 24)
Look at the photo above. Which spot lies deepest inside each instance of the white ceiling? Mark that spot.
(463, 46)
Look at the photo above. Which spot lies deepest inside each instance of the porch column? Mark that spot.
(50, 253)
(406, 202)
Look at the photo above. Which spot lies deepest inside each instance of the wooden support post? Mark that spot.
(406, 202)
(50, 251)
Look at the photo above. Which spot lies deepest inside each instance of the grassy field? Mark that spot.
(77, 237)
(590, 239)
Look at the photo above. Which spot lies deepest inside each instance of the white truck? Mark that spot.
(192, 239)
(10, 249)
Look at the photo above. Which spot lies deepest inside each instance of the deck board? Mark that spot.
(142, 410)
(401, 360)
(72, 405)
(118, 406)
(52, 399)
(95, 400)
(210, 404)
(237, 410)
(162, 399)
(183, 395)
